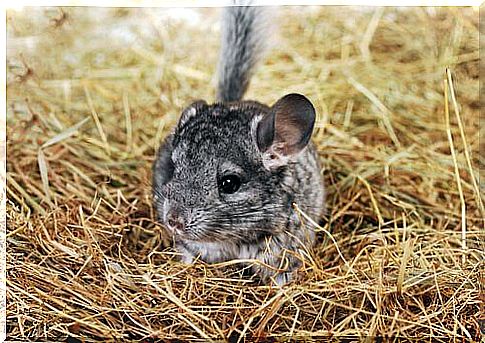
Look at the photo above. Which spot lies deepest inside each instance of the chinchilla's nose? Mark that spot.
(175, 221)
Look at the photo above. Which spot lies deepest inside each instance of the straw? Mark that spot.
(92, 92)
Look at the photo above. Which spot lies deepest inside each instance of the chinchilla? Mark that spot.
(226, 180)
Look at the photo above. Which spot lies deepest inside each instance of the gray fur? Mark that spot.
(258, 222)
(244, 40)
(268, 148)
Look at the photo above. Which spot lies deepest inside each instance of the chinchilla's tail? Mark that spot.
(245, 31)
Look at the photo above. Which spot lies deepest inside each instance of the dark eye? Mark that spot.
(229, 184)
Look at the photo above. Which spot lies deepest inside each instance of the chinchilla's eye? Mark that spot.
(229, 184)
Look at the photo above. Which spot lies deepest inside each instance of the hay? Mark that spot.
(91, 92)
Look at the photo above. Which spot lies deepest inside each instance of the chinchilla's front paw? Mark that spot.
(186, 256)
(284, 270)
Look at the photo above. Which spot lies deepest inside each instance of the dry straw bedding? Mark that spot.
(91, 92)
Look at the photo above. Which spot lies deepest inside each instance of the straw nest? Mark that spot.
(91, 93)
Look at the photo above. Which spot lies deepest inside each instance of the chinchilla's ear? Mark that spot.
(285, 130)
(191, 111)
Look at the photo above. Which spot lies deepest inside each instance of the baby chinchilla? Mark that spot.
(226, 179)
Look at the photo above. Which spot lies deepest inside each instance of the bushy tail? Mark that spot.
(245, 32)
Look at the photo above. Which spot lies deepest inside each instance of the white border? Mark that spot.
(218, 3)
(18, 4)
(3, 180)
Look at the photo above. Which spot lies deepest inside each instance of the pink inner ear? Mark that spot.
(287, 135)
(294, 118)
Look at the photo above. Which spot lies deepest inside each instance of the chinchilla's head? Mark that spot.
(220, 175)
